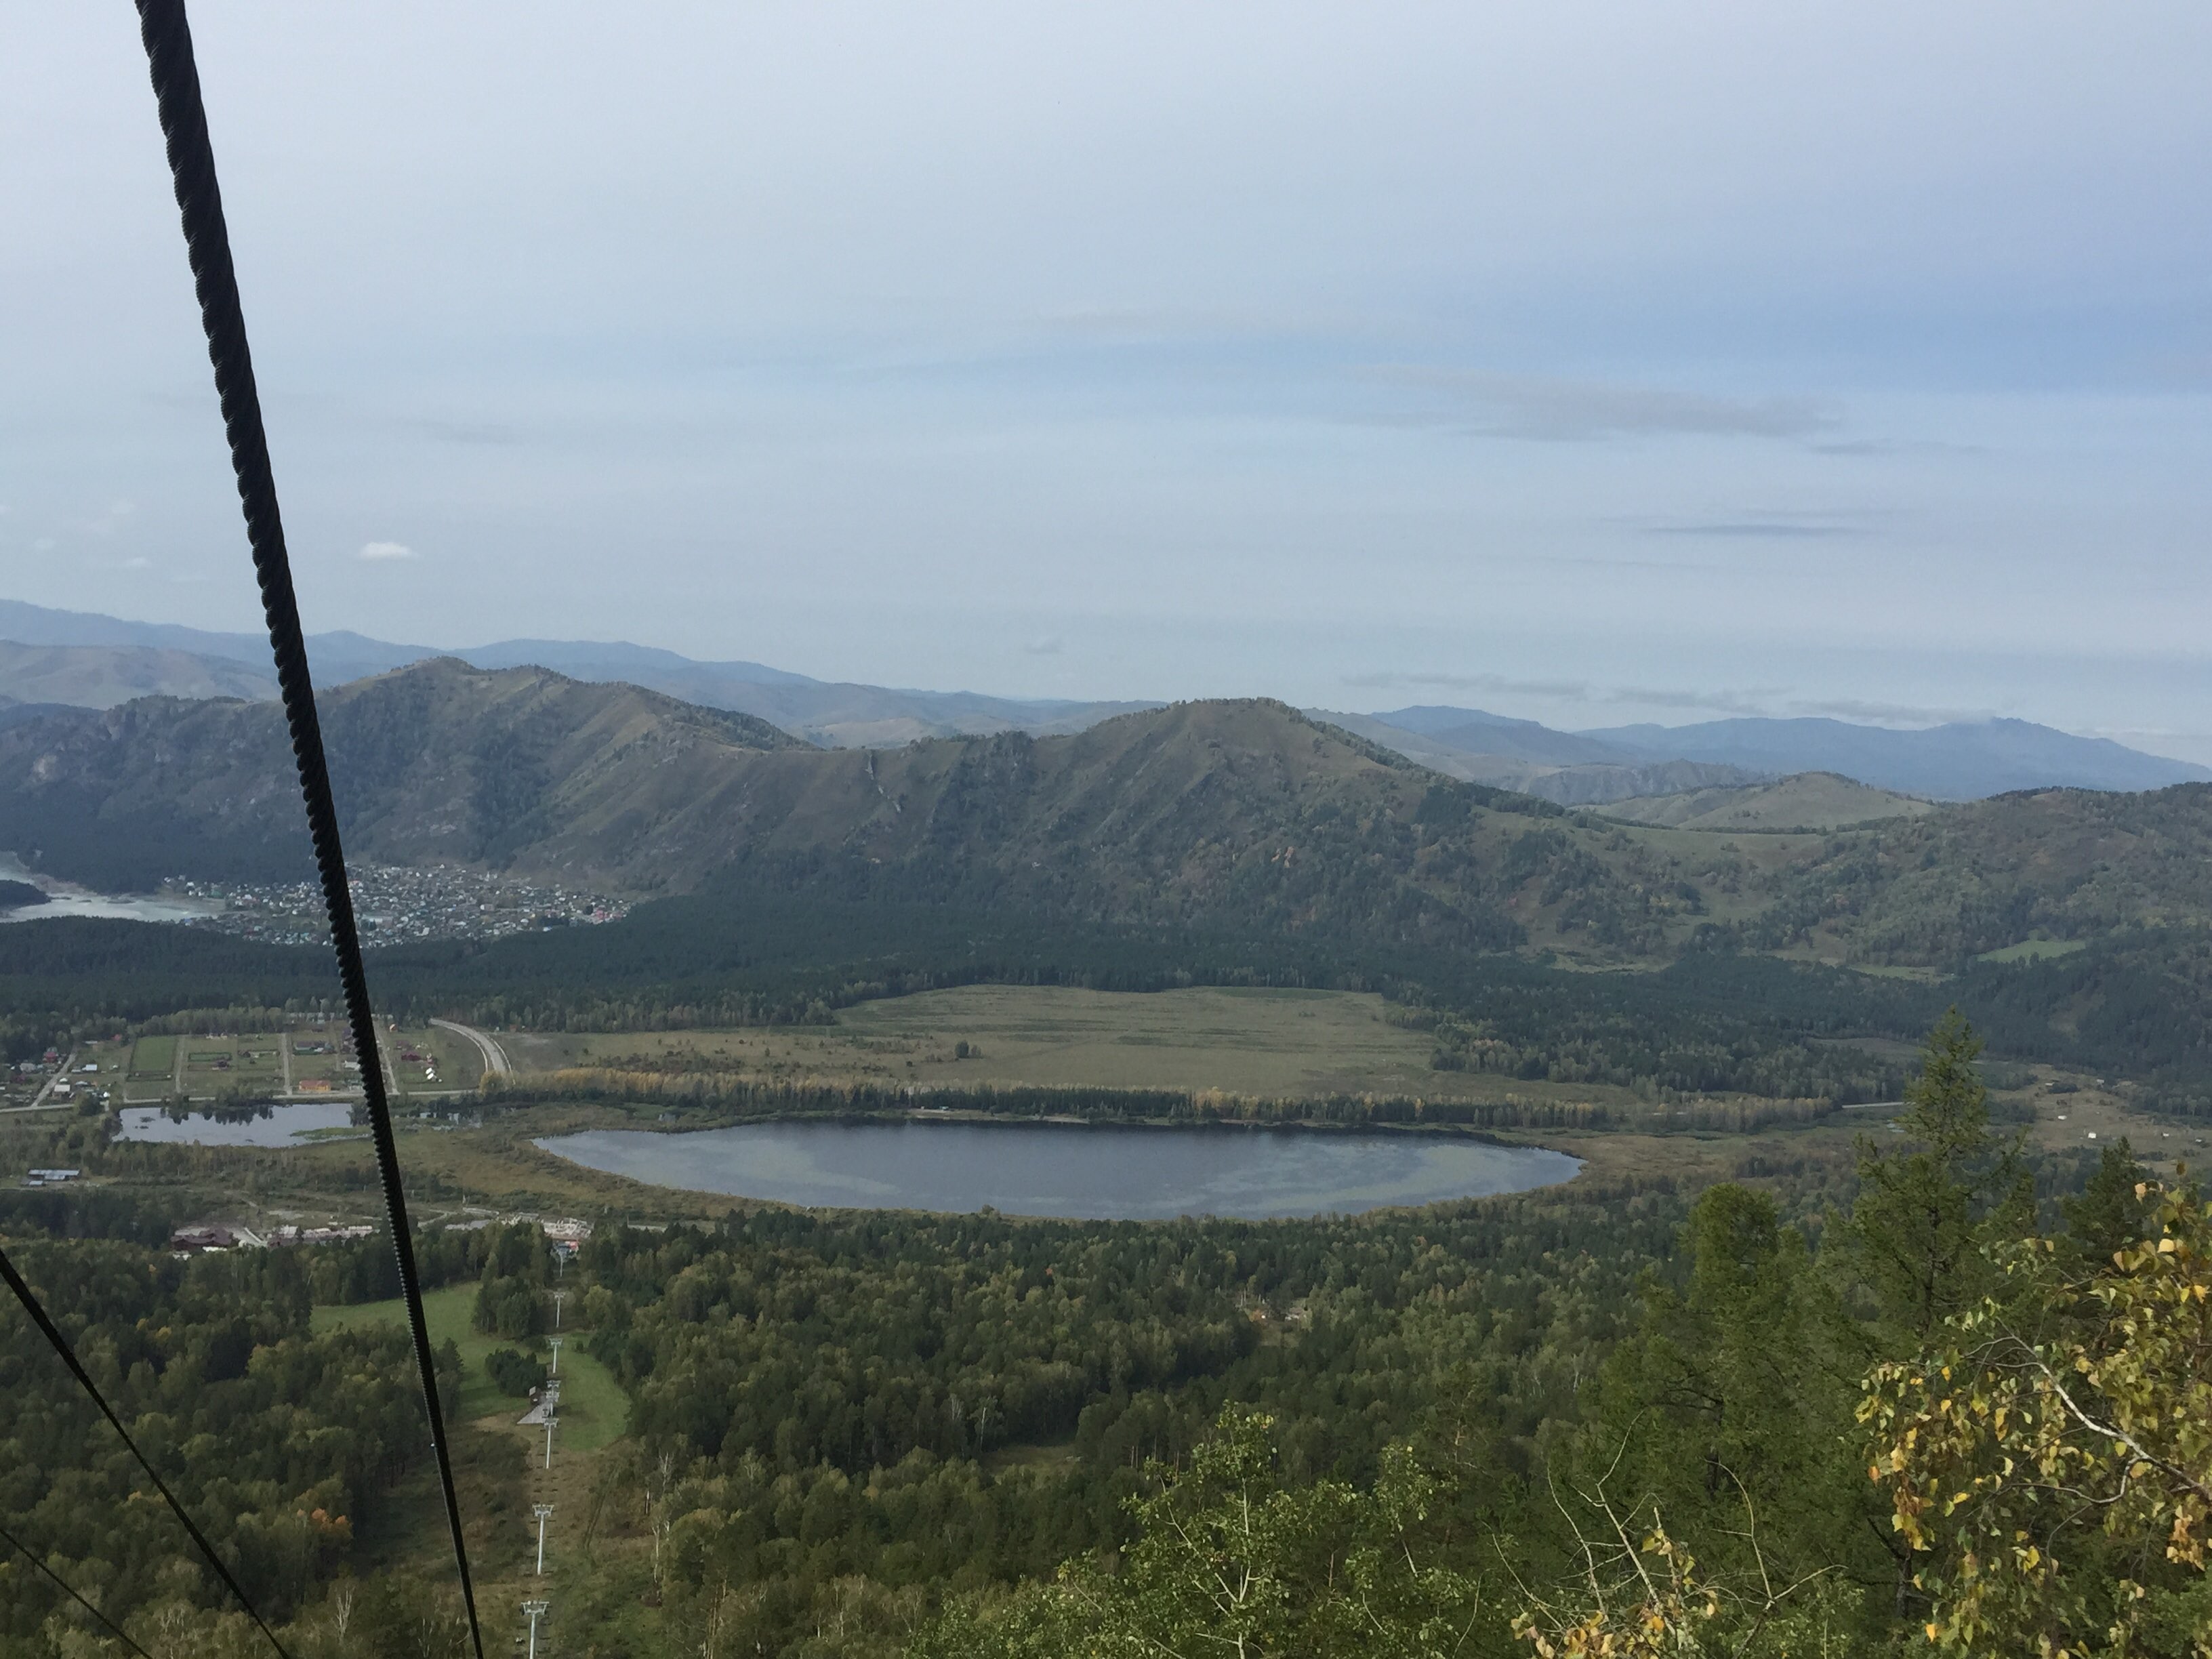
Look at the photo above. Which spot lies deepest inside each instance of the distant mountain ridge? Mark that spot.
(1567, 783)
(85, 660)
(1240, 816)
(1474, 731)
(1240, 819)
(102, 676)
(834, 714)
(1967, 760)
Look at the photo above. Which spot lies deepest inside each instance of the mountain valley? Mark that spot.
(1242, 816)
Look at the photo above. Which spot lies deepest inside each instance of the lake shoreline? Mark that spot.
(1068, 1120)
(934, 1163)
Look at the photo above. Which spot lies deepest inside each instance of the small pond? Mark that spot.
(1072, 1171)
(271, 1126)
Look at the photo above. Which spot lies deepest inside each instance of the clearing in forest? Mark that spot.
(1269, 1043)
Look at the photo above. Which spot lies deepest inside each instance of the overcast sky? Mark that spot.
(1586, 363)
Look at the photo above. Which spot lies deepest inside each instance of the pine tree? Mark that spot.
(1915, 1235)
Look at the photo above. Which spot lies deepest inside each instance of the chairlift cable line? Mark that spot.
(167, 38)
(60, 1345)
(70, 1590)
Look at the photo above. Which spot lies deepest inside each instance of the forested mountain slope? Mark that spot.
(1234, 817)
(438, 762)
(2070, 864)
(1809, 800)
(1242, 814)
(1239, 815)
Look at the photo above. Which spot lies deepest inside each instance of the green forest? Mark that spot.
(1717, 1019)
(1939, 1395)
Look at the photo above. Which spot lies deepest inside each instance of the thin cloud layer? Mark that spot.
(1239, 349)
(1570, 411)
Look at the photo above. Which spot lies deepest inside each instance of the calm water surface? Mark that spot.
(279, 1126)
(67, 899)
(1033, 1169)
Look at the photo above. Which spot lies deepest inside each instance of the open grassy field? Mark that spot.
(442, 1061)
(152, 1059)
(501, 1464)
(1809, 800)
(593, 1411)
(1287, 1043)
(495, 1165)
(208, 1065)
(2034, 949)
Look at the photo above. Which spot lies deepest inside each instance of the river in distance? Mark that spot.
(1066, 1170)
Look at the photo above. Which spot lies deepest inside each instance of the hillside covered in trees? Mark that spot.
(436, 763)
(1223, 843)
(1237, 817)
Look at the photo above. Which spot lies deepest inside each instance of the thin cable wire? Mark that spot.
(60, 1343)
(70, 1590)
(168, 41)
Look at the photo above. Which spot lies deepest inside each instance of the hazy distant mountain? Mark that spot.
(1585, 784)
(102, 676)
(1965, 761)
(1471, 731)
(837, 715)
(35, 624)
(1959, 762)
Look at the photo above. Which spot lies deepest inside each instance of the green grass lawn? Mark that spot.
(593, 1409)
(2032, 950)
(154, 1057)
(1295, 1043)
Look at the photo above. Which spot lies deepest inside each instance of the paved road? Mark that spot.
(495, 1057)
(40, 1102)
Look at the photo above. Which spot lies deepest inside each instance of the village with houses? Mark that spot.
(392, 906)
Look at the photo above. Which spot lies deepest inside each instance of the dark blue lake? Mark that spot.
(1055, 1169)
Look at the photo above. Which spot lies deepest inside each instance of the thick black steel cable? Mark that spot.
(168, 40)
(70, 1590)
(60, 1343)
